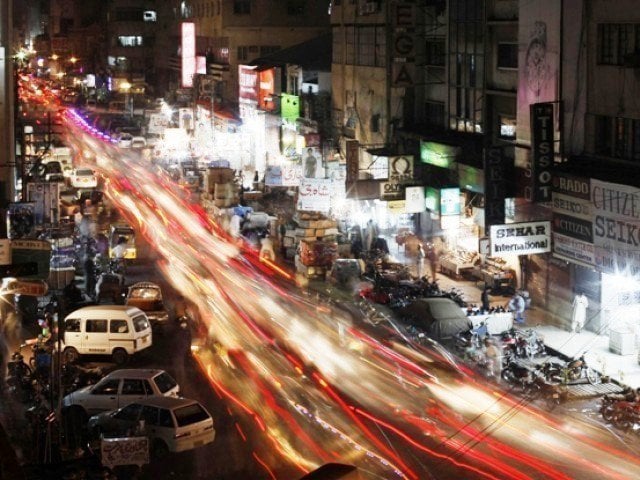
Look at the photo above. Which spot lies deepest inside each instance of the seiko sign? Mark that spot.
(520, 238)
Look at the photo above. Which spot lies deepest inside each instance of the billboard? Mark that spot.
(21, 220)
(495, 186)
(314, 195)
(266, 89)
(188, 53)
(289, 106)
(439, 154)
(520, 238)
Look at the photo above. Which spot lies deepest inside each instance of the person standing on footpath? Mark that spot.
(517, 305)
(579, 316)
(432, 255)
(421, 255)
(486, 304)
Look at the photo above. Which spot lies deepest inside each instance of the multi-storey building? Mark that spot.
(234, 32)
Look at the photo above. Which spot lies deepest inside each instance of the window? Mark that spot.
(97, 326)
(140, 323)
(434, 114)
(110, 387)
(267, 49)
(618, 43)
(149, 16)
(119, 326)
(507, 127)
(72, 325)
(164, 382)
(149, 414)
(293, 85)
(241, 7)
(434, 52)
(337, 52)
(129, 413)
(603, 135)
(133, 387)
(507, 55)
(371, 48)
(189, 414)
(164, 418)
(350, 46)
(621, 139)
(245, 52)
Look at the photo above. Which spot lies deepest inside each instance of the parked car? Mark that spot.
(138, 142)
(120, 388)
(147, 296)
(83, 178)
(171, 424)
(438, 317)
(124, 140)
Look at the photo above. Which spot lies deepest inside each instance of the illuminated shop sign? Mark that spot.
(188, 53)
(290, 106)
(439, 154)
(520, 238)
(266, 100)
(450, 201)
(542, 150)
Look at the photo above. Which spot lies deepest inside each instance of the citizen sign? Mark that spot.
(520, 238)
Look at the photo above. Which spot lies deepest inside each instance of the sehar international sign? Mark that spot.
(520, 238)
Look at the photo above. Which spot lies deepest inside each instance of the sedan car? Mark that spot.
(124, 140)
(83, 178)
(120, 388)
(171, 424)
(439, 317)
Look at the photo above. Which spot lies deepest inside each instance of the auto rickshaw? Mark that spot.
(119, 232)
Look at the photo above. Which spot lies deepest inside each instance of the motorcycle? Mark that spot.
(539, 386)
(74, 376)
(517, 374)
(529, 344)
(574, 371)
(624, 414)
(20, 377)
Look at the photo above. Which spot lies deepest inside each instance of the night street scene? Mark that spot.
(313, 239)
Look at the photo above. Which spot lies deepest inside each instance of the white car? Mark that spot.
(124, 140)
(120, 388)
(83, 178)
(138, 142)
(171, 424)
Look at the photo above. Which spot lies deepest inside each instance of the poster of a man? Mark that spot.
(312, 164)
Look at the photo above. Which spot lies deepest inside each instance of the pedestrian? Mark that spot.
(432, 256)
(485, 299)
(89, 276)
(266, 249)
(370, 234)
(517, 305)
(420, 260)
(580, 304)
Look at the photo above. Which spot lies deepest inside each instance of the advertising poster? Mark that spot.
(314, 195)
(415, 200)
(312, 166)
(46, 200)
(21, 220)
(287, 175)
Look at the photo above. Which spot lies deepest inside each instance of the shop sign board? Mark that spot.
(616, 226)
(495, 186)
(403, 44)
(5, 251)
(32, 251)
(282, 175)
(542, 150)
(439, 154)
(573, 250)
(415, 199)
(21, 220)
(314, 195)
(266, 91)
(571, 206)
(124, 451)
(450, 201)
(289, 106)
(28, 289)
(525, 238)
(391, 190)
(46, 198)
(396, 206)
(573, 227)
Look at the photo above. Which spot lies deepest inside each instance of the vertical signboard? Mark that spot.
(188, 53)
(266, 89)
(353, 161)
(403, 44)
(542, 150)
(247, 91)
(494, 187)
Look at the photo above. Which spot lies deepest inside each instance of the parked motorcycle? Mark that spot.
(20, 377)
(529, 344)
(540, 387)
(624, 414)
(574, 371)
(517, 374)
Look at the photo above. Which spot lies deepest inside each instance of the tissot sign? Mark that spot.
(520, 238)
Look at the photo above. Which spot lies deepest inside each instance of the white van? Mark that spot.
(116, 330)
